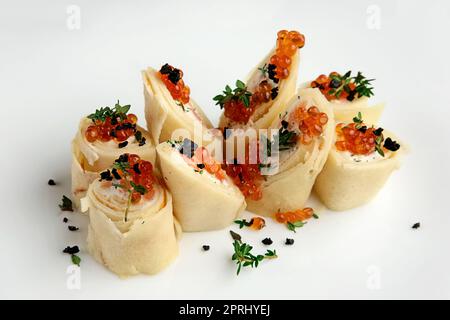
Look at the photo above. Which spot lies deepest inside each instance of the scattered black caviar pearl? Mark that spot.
(289, 242)
(136, 168)
(114, 121)
(174, 76)
(271, 72)
(378, 131)
(205, 248)
(391, 144)
(65, 220)
(335, 83)
(284, 124)
(106, 175)
(122, 158)
(416, 225)
(165, 69)
(138, 135)
(274, 93)
(116, 174)
(71, 250)
(363, 129)
(51, 182)
(201, 166)
(73, 228)
(351, 96)
(142, 142)
(123, 144)
(267, 241)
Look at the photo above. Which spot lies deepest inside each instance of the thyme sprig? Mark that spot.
(123, 166)
(340, 84)
(244, 223)
(106, 112)
(264, 70)
(244, 258)
(286, 139)
(294, 225)
(240, 93)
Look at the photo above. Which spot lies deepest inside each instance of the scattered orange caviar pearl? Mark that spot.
(294, 216)
(257, 223)
(310, 122)
(173, 80)
(360, 141)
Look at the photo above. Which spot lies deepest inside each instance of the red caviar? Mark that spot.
(247, 177)
(287, 44)
(257, 223)
(294, 216)
(204, 161)
(173, 80)
(140, 173)
(277, 69)
(310, 122)
(112, 128)
(356, 138)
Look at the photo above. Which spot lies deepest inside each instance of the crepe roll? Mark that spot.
(131, 225)
(298, 151)
(204, 197)
(359, 164)
(349, 94)
(169, 109)
(269, 86)
(101, 138)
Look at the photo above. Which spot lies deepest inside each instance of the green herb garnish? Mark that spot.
(128, 186)
(294, 225)
(106, 112)
(66, 204)
(363, 86)
(264, 70)
(76, 260)
(240, 93)
(244, 258)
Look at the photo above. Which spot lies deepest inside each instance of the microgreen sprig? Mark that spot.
(106, 112)
(244, 258)
(363, 86)
(294, 225)
(240, 93)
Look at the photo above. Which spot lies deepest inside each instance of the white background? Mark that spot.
(51, 76)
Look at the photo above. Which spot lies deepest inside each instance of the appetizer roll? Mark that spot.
(297, 154)
(358, 166)
(101, 138)
(132, 229)
(169, 107)
(267, 89)
(349, 95)
(204, 197)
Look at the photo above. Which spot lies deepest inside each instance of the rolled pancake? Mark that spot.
(344, 110)
(90, 158)
(345, 184)
(201, 201)
(146, 243)
(164, 115)
(289, 189)
(266, 113)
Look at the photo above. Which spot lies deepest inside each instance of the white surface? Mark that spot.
(50, 76)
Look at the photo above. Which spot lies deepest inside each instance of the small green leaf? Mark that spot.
(76, 260)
